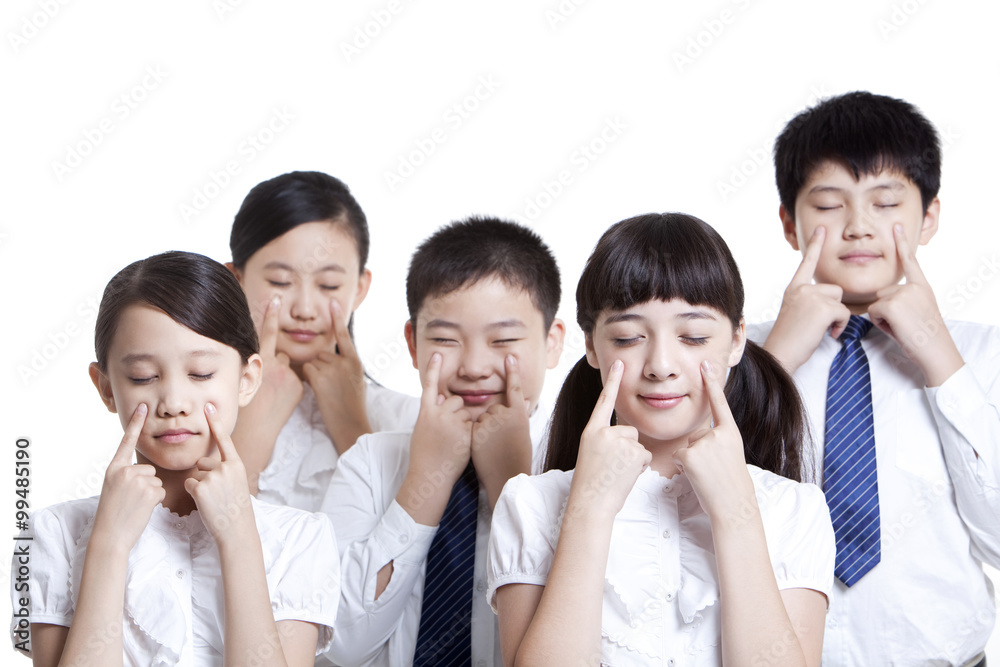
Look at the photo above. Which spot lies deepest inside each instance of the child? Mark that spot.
(482, 296)
(300, 245)
(650, 540)
(175, 563)
(858, 177)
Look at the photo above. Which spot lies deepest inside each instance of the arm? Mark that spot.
(128, 496)
(338, 378)
(280, 391)
(561, 624)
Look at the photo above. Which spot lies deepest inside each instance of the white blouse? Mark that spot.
(661, 586)
(304, 455)
(173, 590)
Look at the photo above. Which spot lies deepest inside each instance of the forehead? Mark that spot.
(310, 247)
(835, 176)
(659, 311)
(149, 334)
(480, 305)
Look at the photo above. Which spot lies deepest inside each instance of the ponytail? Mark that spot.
(575, 404)
(769, 413)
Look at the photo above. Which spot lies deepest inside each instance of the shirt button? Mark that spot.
(178, 525)
(671, 662)
(481, 586)
(481, 663)
(666, 534)
(666, 488)
(669, 597)
(404, 538)
(180, 574)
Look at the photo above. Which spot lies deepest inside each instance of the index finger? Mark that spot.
(907, 257)
(269, 329)
(810, 258)
(609, 395)
(227, 450)
(515, 394)
(342, 341)
(124, 452)
(721, 413)
(429, 394)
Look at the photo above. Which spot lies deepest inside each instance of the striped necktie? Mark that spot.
(850, 479)
(445, 635)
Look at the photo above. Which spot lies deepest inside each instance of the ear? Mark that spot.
(930, 225)
(554, 343)
(364, 283)
(588, 342)
(739, 343)
(103, 385)
(411, 341)
(236, 272)
(788, 225)
(250, 379)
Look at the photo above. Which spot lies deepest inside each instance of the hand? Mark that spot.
(130, 492)
(440, 449)
(909, 314)
(501, 437)
(219, 487)
(807, 312)
(714, 460)
(610, 457)
(338, 378)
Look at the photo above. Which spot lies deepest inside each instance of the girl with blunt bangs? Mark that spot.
(175, 562)
(671, 522)
(300, 246)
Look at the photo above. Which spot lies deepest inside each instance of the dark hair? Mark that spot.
(192, 289)
(277, 206)
(868, 134)
(676, 256)
(476, 248)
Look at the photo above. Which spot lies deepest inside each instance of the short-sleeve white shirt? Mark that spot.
(661, 591)
(304, 455)
(173, 611)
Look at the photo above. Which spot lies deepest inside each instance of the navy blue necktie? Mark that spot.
(850, 479)
(445, 635)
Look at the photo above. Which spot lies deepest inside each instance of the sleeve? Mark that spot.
(799, 534)
(40, 577)
(966, 409)
(369, 539)
(524, 534)
(307, 575)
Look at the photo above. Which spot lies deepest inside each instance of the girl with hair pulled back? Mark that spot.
(175, 562)
(300, 248)
(668, 525)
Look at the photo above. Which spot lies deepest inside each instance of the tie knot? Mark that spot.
(857, 328)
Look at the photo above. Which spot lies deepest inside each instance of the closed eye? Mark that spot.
(275, 283)
(330, 288)
(695, 340)
(506, 341)
(625, 342)
(206, 376)
(142, 380)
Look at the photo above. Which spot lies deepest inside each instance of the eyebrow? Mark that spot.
(502, 324)
(288, 267)
(894, 185)
(633, 317)
(136, 358)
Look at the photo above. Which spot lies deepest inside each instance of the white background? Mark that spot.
(359, 104)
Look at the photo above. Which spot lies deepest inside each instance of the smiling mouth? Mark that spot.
(301, 335)
(175, 436)
(476, 398)
(662, 401)
(860, 256)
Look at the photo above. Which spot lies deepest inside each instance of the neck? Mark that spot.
(663, 450)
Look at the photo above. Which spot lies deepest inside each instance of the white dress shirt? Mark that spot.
(372, 530)
(304, 455)
(174, 605)
(928, 602)
(661, 586)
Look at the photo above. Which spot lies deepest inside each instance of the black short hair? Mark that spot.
(477, 248)
(280, 204)
(868, 133)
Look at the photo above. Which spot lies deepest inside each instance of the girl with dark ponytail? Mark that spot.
(671, 521)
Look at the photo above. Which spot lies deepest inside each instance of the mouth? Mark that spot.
(476, 397)
(175, 435)
(662, 401)
(860, 256)
(301, 335)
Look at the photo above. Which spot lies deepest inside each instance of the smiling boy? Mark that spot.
(907, 432)
(413, 510)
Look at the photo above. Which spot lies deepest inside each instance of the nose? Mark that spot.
(172, 399)
(304, 304)
(859, 224)
(659, 362)
(475, 363)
